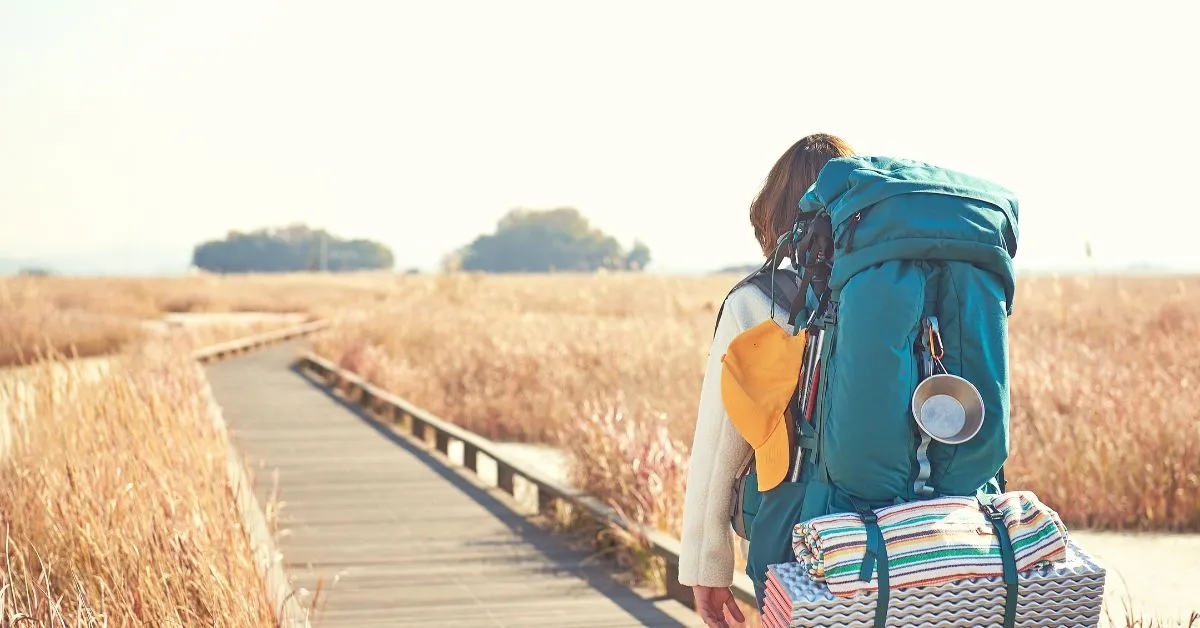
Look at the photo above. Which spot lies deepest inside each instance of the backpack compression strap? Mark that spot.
(876, 559)
(1007, 558)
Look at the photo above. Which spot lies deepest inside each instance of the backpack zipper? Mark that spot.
(848, 234)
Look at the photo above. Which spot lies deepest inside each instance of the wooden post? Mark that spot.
(470, 458)
(675, 591)
(442, 441)
(504, 477)
(546, 501)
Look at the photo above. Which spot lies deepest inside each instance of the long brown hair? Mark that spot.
(773, 211)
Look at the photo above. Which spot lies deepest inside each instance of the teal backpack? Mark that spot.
(900, 260)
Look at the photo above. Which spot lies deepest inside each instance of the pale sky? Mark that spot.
(153, 125)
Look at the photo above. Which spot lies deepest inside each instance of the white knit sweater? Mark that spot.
(718, 450)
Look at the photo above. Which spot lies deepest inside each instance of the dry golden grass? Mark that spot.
(114, 500)
(99, 316)
(33, 324)
(1106, 373)
(205, 335)
(1106, 400)
(515, 358)
(145, 297)
(1105, 384)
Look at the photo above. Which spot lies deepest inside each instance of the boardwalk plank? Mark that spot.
(408, 541)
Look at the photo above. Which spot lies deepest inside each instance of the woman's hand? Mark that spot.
(711, 603)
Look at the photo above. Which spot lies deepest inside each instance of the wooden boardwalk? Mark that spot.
(411, 542)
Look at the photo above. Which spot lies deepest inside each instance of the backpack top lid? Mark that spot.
(884, 208)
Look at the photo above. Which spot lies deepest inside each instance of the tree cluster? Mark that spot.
(293, 248)
(551, 240)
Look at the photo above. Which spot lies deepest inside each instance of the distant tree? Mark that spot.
(289, 249)
(638, 256)
(559, 239)
(34, 271)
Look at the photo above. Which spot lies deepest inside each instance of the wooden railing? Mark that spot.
(512, 477)
(231, 348)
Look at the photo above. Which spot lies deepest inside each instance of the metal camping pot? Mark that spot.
(948, 408)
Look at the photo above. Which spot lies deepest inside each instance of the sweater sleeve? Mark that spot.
(718, 450)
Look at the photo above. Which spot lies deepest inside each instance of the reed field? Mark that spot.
(1104, 386)
(115, 507)
(89, 317)
(114, 499)
(1105, 382)
(113, 494)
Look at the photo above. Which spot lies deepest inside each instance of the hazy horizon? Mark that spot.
(128, 135)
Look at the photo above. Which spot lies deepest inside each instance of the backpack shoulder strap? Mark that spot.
(782, 285)
(783, 288)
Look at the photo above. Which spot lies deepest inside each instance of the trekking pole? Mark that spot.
(811, 378)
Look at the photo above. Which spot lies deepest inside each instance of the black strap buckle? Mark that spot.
(831, 315)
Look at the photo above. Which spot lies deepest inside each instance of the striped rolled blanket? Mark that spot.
(929, 542)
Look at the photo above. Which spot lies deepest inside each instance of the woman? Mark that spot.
(706, 559)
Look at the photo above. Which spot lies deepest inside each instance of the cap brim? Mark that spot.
(773, 458)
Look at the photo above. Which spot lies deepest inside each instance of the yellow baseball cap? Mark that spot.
(760, 371)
